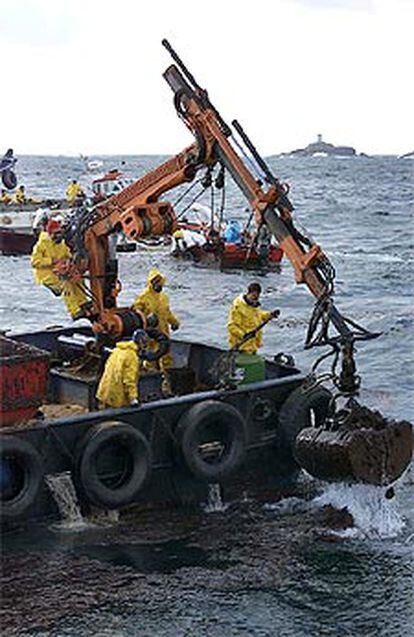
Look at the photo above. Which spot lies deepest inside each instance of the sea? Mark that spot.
(263, 567)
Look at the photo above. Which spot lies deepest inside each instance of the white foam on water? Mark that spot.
(64, 494)
(374, 515)
(288, 506)
(214, 502)
(105, 517)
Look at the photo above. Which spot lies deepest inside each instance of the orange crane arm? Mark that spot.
(139, 213)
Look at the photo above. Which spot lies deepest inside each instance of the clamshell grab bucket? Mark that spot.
(366, 448)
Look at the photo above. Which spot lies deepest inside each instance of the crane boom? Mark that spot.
(139, 213)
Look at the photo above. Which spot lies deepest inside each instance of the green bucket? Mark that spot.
(250, 368)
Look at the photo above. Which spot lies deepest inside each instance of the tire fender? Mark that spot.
(130, 448)
(296, 411)
(214, 428)
(22, 464)
(9, 179)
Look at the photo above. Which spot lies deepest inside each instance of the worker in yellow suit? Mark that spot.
(74, 193)
(118, 386)
(152, 300)
(5, 197)
(49, 252)
(245, 316)
(20, 196)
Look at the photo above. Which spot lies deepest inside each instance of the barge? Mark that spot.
(225, 422)
(165, 450)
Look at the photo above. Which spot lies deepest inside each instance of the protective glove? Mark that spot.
(148, 356)
(275, 313)
(175, 327)
(134, 402)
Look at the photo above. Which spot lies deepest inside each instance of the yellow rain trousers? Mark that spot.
(44, 256)
(151, 302)
(244, 318)
(119, 383)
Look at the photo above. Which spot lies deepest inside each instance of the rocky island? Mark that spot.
(321, 148)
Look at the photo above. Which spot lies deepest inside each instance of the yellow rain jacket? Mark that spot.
(19, 196)
(244, 318)
(73, 190)
(46, 253)
(118, 386)
(5, 198)
(44, 256)
(151, 302)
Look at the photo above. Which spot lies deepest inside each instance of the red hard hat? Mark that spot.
(53, 226)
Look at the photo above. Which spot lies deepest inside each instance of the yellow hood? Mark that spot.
(154, 273)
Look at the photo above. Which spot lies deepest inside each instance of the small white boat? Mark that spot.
(109, 184)
(91, 165)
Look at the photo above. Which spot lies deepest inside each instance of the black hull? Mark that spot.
(16, 243)
(266, 458)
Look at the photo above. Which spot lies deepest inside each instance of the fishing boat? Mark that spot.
(16, 220)
(16, 225)
(167, 449)
(16, 232)
(221, 417)
(231, 256)
(229, 419)
(108, 184)
(250, 258)
(246, 254)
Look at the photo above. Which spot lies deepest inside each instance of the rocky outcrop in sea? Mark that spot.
(323, 148)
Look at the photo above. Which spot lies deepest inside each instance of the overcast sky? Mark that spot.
(85, 76)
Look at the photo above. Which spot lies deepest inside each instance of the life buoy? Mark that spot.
(6, 220)
(113, 461)
(21, 475)
(304, 407)
(212, 437)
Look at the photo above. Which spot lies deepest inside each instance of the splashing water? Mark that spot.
(288, 506)
(64, 494)
(214, 502)
(105, 517)
(374, 515)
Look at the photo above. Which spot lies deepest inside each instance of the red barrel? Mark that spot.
(23, 380)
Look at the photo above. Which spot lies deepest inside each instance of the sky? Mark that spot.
(85, 76)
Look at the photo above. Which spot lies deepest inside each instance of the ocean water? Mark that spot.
(253, 567)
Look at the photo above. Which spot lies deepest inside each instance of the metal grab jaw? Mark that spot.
(355, 444)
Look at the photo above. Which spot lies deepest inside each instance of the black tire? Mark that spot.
(9, 179)
(113, 462)
(212, 437)
(21, 476)
(296, 411)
